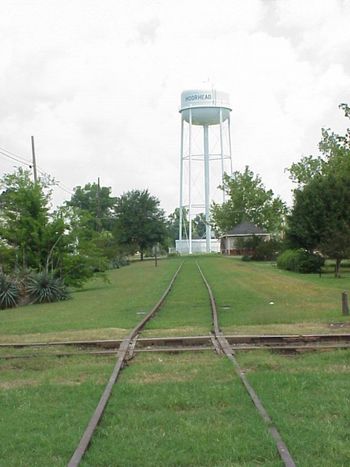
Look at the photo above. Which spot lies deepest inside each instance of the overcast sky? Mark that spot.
(98, 84)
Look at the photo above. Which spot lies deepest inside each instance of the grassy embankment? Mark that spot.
(98, 311)
(251, 297)
(255, 298)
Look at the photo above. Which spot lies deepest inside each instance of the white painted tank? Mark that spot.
(205, 105)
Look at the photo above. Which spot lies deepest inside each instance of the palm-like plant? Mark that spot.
(9, 292)
(43, 288)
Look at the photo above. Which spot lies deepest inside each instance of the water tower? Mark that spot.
(205, 157)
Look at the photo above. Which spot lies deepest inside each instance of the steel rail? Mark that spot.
(225, 346)
(185, 348)
(106, 353)
(272, 340)
(122, 356)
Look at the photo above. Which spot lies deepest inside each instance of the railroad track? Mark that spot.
(178, 343)
(125, 352)
(224, 347)
(124, 349)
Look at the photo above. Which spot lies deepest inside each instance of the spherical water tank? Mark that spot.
(205, 106)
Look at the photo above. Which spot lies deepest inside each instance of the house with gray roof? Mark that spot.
(231, 242)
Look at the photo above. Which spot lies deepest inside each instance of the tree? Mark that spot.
(320, 218)
(79, 253)
(199, 226)
(32, 237)
(248, 201)
(97, 204)
(26, 227)
(335, 150)
(140, 222)
(303, 171)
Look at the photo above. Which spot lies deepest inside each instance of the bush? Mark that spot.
(258, 249)
(300, 261)
(119, 262)
(43, 288)
(267, 250)
(9, 292)
(173, 254)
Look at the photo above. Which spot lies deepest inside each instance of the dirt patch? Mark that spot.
(18, 383)
(293, 328)
(86, 334)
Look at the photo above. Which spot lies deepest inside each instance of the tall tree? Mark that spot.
(320, 218)
(140, 222)
(248, 200)
(97, 204)
(25, 224)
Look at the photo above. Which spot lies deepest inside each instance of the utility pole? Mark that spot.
(98, 206)
(34, 162)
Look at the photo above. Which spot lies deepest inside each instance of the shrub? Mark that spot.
(259, 249)
(43, 288)
(267, 250)
(78, 269)
(9, 292)
(173, 254)
(300, 261)
(119, 262)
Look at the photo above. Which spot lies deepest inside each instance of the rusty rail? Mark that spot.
(237, 341)
(225, 347)
(123, 352)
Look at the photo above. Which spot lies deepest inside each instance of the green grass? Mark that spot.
(181, 410)
(186, 310)
(308, 398)
(45, 406)
(100, 310)
(244, 292)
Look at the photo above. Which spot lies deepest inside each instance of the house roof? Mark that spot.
(245, 228)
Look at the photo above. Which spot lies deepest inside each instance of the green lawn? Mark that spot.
(100, 310)
(252, 298)
(45, 405)
(258, 297)
(308, 398)
(181, 410)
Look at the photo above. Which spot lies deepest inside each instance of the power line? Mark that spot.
(17, 158)
(16, 155)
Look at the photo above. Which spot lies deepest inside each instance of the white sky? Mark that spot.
(98, 84)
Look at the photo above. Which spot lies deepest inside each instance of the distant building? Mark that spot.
(231, 242)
